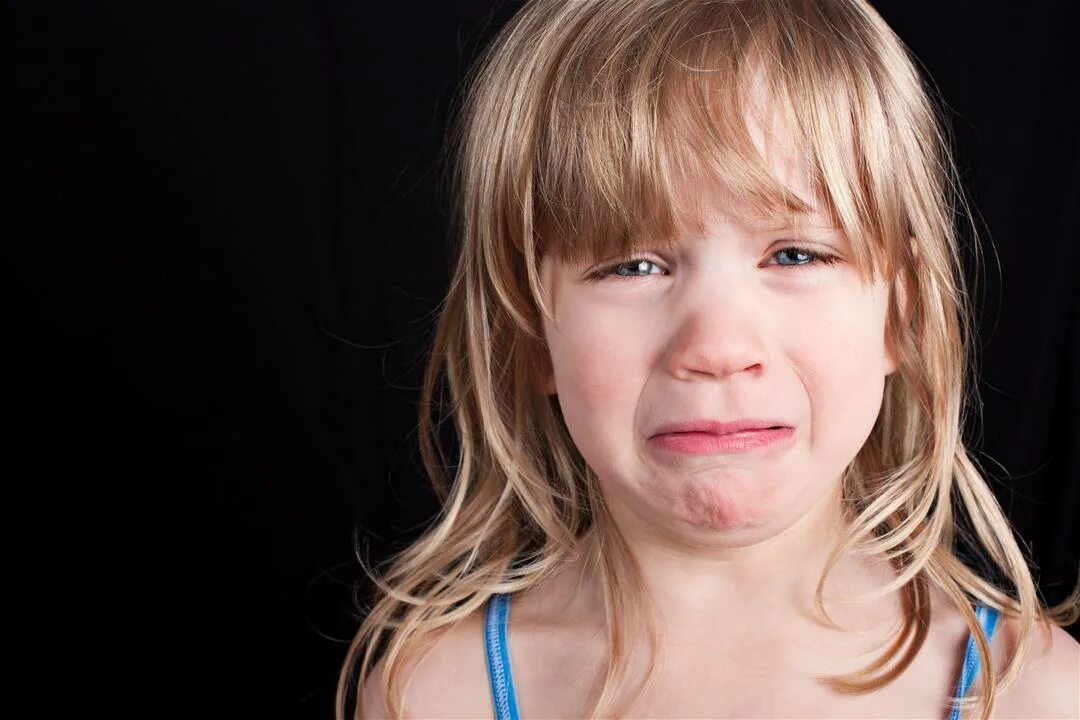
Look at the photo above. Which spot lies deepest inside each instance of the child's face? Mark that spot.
(726, 327)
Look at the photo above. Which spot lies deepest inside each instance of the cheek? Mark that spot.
(842, 363)
(599, 372)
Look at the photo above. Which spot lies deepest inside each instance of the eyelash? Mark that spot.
(815, 259)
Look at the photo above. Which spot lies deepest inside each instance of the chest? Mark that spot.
(749, 682)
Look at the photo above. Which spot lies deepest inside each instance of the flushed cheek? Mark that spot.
(598, 378)
(843, 371)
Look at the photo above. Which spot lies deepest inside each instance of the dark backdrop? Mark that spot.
(229, 237)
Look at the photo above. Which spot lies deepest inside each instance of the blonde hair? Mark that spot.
(574, 126)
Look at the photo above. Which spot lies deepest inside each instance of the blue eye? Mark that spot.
(634, 268)
(799, 256)
(631, 268)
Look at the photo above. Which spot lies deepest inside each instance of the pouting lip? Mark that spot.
(717, 427)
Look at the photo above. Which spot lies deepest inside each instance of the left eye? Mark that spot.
(634, 268)
(802, 256)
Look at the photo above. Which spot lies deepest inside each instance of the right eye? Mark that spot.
(634, 267)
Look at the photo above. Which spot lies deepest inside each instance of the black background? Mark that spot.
(228, 240)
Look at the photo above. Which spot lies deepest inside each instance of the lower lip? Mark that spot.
(701, 443)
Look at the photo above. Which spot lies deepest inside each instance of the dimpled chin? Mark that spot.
(713, 506)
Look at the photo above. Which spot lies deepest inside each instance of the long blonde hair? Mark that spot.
(573, 126)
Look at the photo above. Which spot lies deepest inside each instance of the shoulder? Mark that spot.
(447, 678)
(1049, 682)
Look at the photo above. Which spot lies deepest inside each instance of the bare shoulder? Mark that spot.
(447, 680)
(1049, 684)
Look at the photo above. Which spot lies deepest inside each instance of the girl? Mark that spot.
(705, 350)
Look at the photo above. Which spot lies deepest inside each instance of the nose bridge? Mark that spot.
(719, 327)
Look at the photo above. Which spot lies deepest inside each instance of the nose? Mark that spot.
(718, 335)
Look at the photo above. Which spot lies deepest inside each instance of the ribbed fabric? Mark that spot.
(504, 698)
(970, 668)
(498, 658)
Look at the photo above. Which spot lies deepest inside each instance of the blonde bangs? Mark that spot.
(667, 105)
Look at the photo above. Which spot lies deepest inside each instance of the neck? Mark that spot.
(770, 584)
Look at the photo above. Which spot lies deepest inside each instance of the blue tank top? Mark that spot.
(504, 699)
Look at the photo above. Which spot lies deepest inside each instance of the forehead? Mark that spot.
(703, 201)
(747, 156)
(796, 202)
(769, 177)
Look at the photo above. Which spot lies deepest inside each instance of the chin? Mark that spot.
(743, 513)
(717, 507)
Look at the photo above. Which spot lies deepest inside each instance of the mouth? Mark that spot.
(718, 427)
(714, 437)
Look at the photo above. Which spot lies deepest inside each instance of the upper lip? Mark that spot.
(717, 427)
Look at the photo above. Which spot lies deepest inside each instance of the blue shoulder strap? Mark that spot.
(988, 620)
(498, 658)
